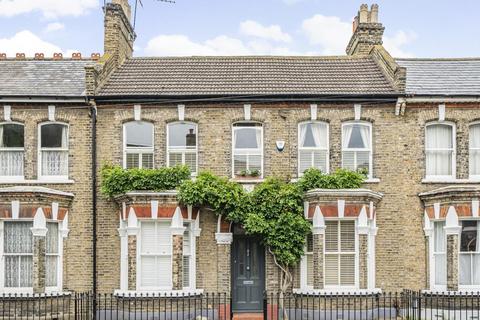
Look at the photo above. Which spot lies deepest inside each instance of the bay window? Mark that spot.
(340, 254)
(11, 150)
(187, 257)
(474, 150)
(182, 145)
(309, 261)
(52, 255)
(469, 262)
(155, 255)
(247, 149)
(313, 146)
(138, 145)
(440, 150)
(53, 150)
(357, 146)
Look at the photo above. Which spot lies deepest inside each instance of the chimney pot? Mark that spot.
(20, 56)
(39, 56)
(127, 9)
(76, 56)
(367, 31)
(374, 13)
(363, 13)
(95, 56)
(57, 56)
(3, 56)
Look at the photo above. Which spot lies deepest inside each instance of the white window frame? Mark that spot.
(357, 266)
(183, 151)
(236, 126)
(15, 178)
(300, 148)
(474, 287)
(140, 151)
(40, 150)
(433, 285)
(454, 152)
(304, 268)
(370, 150)
(477, 176)
(29, 290)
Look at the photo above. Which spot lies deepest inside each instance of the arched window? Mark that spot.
(182, 145)
(12, 139)
(440, 150)
(247, 150)
(53, 150)
(138, 145)
(312, 146)
(475, 150)
(357, 146)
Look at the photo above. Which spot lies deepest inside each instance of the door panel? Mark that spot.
(248, 274)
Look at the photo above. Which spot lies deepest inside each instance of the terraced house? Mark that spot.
(412, 124)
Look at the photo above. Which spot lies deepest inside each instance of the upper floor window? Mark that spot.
(312, 146)
(440, 150)
(247, 149)
(11, 150)
(357, 146)
(182, 145)
(138, 145)
(475, 150)
(54, 150)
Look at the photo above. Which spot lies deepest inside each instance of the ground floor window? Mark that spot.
(18, 250)
(155, 255)
(440, 253)
(469, 262)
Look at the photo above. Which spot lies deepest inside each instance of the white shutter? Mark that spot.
(186, 271)
(148, 238)
(149, 272)
(133, 160)
(348, 160)
(164, 271)
(331, 270)
(331, 236)
(309, 259)
(347, 270)
(347, 236)
(147, 160)
(305, 160)
(320, 160)
(164, 238)
(174, 158)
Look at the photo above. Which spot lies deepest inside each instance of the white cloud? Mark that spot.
(54, 26)
(181, 45)
(28, 43)
(289, 2)
(394, 44)
(330, 33)
(49, 8)
(255, 29)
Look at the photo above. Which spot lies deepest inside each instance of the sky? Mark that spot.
(421, 28)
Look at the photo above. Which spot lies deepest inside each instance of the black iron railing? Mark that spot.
(407, 304)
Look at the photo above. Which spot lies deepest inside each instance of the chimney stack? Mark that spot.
(367, 31)
(119, 33)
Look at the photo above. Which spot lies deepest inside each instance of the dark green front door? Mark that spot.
(248, 274)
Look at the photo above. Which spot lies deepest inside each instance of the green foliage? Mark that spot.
(223, 196)
(340, 179)
(116, 180)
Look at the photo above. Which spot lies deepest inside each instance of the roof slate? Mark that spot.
(42, 78)
(254, 75)
(442, 76)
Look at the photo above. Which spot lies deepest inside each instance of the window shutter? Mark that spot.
(149, 245)
(347, 270)
(147, 160)
(191, 161)
(133, 160)
(164, 238)
(331, 236)
(347, 235)
(320, 160)
(305, 161)
(348, 160)
(331, 270)
(149, 272)
(186, 271)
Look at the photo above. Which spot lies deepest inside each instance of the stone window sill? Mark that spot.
(459, 292)
(30, 294)
(450, 181)
(248, 180)
(160, 293)
(372, 180)
(41, 181)
(334, 292)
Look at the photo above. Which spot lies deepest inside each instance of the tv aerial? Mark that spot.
(137, 2)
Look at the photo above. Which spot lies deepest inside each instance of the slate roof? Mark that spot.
(442, 76)
(252, 75)
(42, 78)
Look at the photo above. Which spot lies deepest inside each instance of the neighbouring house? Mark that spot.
(411, 124)
(45, 175)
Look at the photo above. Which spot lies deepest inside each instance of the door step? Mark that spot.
(248, 316)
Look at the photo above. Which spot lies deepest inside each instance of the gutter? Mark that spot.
(24, 99)
(443, 99)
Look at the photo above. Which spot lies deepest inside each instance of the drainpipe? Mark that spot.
(94, 204)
